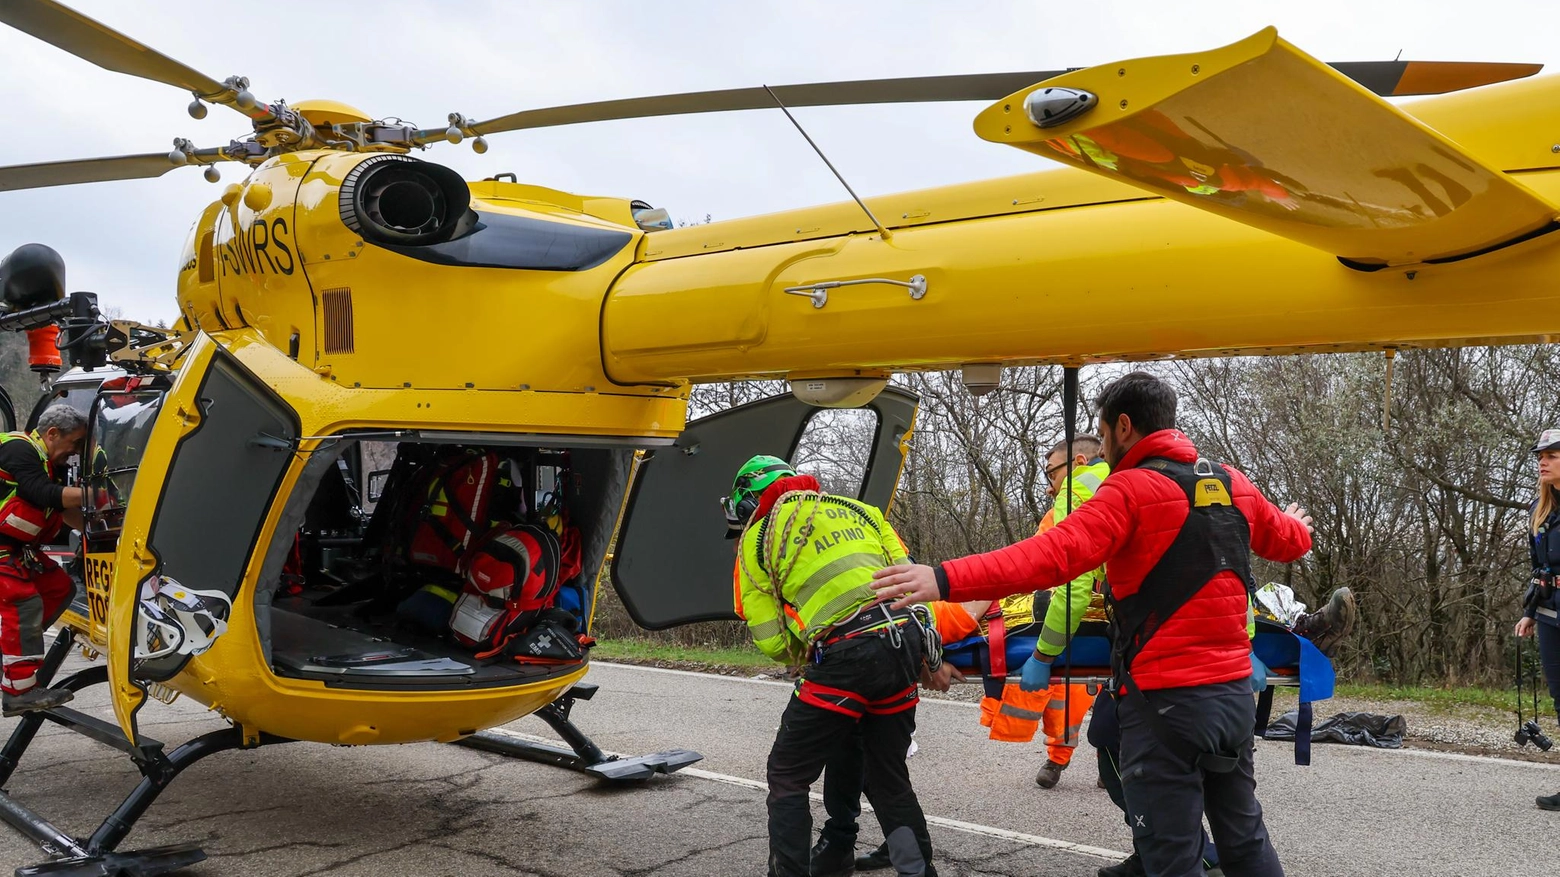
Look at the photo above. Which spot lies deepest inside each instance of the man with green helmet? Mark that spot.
(803, 585)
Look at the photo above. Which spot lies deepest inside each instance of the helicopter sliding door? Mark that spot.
(213, 462)
(673, 563)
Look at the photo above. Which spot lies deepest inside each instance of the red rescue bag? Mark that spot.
(511, 576)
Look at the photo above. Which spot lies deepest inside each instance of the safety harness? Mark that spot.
(778, 552)
(1214, 538)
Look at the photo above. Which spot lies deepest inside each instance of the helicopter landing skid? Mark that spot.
(95, 856)
(142, 863)
(583, 755)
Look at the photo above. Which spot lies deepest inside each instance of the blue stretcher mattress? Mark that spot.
(1292, 660)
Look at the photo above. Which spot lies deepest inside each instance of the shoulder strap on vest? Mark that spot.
(1214, 537)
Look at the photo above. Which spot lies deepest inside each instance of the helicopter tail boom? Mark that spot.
(1125, 279)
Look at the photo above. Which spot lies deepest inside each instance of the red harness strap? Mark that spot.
(896, 703)
(996, 641)
(848, 703)
(832, 699)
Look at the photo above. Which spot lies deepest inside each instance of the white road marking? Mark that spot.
(1034, 840)
(1418, 753)
(749, 680)
(1458, 756)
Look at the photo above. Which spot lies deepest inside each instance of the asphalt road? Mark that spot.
(426, 809)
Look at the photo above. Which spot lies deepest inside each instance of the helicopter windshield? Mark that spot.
(120, 427)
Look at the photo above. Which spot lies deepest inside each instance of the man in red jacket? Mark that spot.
(1175, 533)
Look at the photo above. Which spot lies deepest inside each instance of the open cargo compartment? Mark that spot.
(332, 617)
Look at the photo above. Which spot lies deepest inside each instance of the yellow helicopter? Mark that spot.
(1248, 199)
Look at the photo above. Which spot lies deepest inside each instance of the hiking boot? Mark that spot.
(1049, 775)
(1132, 867)
(875, 860)
(1550, 802)
(1327, 627)
(832, 859)
(36, 699)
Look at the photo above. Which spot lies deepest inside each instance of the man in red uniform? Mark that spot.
(33, 588)
(1175, 533)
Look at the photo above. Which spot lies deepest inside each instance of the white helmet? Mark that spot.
(175, 620)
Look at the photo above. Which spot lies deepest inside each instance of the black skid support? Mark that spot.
(583, 755)
(96, 856)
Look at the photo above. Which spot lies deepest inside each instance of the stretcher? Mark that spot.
(1292, 662)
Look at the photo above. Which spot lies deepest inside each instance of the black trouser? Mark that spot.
(1105, 737)
(844, 780)
(874, 669)
(1549, 658)
(1166, 795)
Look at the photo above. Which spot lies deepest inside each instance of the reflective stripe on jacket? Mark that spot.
(807, 564)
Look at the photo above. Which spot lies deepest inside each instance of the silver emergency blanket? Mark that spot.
(1278, 602)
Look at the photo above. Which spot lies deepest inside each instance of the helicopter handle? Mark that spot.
(818, 292)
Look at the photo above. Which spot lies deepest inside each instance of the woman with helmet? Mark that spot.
(1541, 603)
(803, 585)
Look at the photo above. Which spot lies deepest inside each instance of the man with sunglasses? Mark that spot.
(1064, 706)
(803, 584)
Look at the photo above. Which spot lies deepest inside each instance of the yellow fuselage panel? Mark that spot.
(326, 407)
(1132, 280)
(275, 255)
(1023, 193)
(232, 679)
(256, 257)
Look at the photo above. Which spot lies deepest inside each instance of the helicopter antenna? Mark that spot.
(837, 175)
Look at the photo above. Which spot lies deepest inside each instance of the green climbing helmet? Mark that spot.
(752, 480)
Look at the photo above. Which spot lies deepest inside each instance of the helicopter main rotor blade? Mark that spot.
(966, 87)
(1386, 78)
(89, 40)
(100, 44)
(85, 170)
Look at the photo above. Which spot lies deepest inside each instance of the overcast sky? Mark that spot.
(419, 60)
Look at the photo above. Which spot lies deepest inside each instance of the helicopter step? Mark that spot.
(95, 856)
(583, 755)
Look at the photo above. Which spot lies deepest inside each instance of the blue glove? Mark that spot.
(1036, 674)
(1259, 673)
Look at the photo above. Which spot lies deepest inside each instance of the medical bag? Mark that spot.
(511, 575)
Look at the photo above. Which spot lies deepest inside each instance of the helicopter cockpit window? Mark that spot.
(121, 425)
(78, 397)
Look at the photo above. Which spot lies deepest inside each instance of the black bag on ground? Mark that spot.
(1355, 729)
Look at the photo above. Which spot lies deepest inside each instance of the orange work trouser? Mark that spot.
(1019, 714)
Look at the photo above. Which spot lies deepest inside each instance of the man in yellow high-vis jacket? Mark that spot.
(1065, 709)
(34, 591)
(802, 584)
